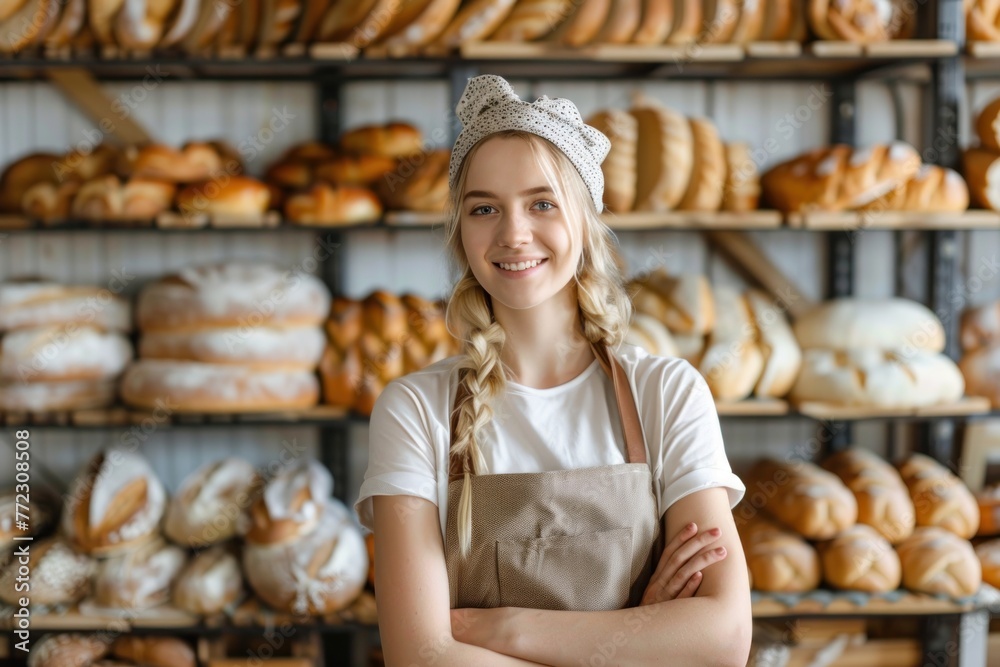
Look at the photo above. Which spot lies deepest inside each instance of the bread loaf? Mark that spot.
(782, 357)
(28, 26)
(664, 158)
(211, 582)
(343, 373)
(261, 347)
(68, 650)
(69, 23)
(720, 18)
(190, 386)
(22, 174)
(650, 334)
(988, 554)
(620, 165)
(708, 173)
(982, 172)
(365, 169)
(733, 361)
(180, 23)
(50, 202)
(345, 323)
(291, 505)
(59, 575)
(881, 324)
(37, 303)
(327, 205)
(684, 303)
(62, 353)
(989, 511)
(804, 497)
(145, 198)
(114, 504)
(394, 140)
(982, 20)
(425, 320)
(154, 651)
(165, 163)
(418, 188)
(622, 22)
(750, 25)
(138, 579)
(39, 512)
(318, 573)
(860, 559)
(212, 16)
(583, 25)
(232, 295)
(742, 187)
(933, 190)
(988, 124)
(51, 396)
(939, 497)
(99, 199)
(779, 561)
(938, 562)
(531, 19)
(341, 18)
(875, 378)
(860, 21)
(981, 370)
(980, 326)
(474, 22)
(433, 19)
(139, 23)
(232, 196)
(688, 22)
(883, 499)
(211, 502)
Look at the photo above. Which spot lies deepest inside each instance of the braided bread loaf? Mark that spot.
(778, 560)
(939, 497)
(982, 20)
(883, 500)
(860, 559)
(938, 562)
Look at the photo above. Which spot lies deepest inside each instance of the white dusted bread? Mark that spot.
(36, 303)
(319, 573)
(777, 342)
(884, 324)
(46, 396)
(68, 650)
(210, 582)
(940, 498)
(211, 503)
(138, 579)
(804, 497)
(652, 335)
(62, 353)
(860, 559)
(684, 302)
(261, 347)
(59, 575)
(938, 562)
(291, 505)
(883, 500)
(733, 361)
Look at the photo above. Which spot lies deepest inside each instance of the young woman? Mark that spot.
(550, 496)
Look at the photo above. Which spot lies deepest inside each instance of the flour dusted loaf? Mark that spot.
(938, 562)
(804, 497)
(733, 361)
(778, 560)
(291, 504)
(933, 189)
(860, 559)
(211, 582)
(51, 396)
(68, 650)
(59, 575)
(258, 347)
(232, 295)
(154, 651)
(684, 303)
(881, 324)
(139, 578)
(939, 497)
(317, 573)
(860, 21)
(62, 353)
(883, 499)
(37, 303)
(114, 504)
(211, 502)
(650, 334)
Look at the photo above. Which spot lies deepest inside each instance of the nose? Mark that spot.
(514, 229)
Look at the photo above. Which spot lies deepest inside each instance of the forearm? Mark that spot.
(451, 653)
(691, 631)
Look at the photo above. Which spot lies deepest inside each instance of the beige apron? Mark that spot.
(584, 540)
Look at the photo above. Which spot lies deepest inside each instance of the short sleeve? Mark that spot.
(400, 451)
(693, 454)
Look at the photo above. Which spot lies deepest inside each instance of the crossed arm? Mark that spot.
(418, 628)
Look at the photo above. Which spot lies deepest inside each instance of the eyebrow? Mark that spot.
(489, 195)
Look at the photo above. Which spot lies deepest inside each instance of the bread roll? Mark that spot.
(804, 497)
(425, 320)
(778, 560)
(365, 169)
(342, 372)
(664, 159)
(939, 497)
(733, 361)
(384, 316)
(720, 20)
(778, 20)
(982, 21)
(531, 19)
(50, 202)
(989, 511)
(69, 22)
(59, 575)
(236, 196)
(980, 326)
(190, 386)
(860, 559)
(345, 323)
(52, 396)
(684, 303)
(22, 174)
(933, 190)
(382, 358)
(291, 505)
(164, 163)
(394, 140)
(620, 165)
(341, 18)
(139, 24)
(145, 198)
(708, 173)
(583, 25)
(688, 22)
(883, 499)
(988, 125)
(212, 16)
(211, 582)
(750, 24)
(981, 370)
(28, 25)
(327, 205)
(883, 324)
(474, 22)
(318, 573)
(622, 22)
(742, 186)
(860, 21)
(776, 342)
(62, 353)
(880, 379)
(138, 579)
(68, 650)
(261, 348)
(988, 554)
(211, 502)
(421, 187)
(232, 295)
(154, 651)
(433, 19)
(114, 504)
(938, 562)
(99, 199)
(650, 334)
(981, 167)
(37, 303)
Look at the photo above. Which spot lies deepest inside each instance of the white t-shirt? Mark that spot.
(574, 425)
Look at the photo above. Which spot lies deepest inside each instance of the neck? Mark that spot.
(545, 345)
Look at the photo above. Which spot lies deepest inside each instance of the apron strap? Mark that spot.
(635, 448)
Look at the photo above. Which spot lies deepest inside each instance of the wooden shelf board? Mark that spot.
(892, 220)
(414, 218)
(984, 49)
(756, 407)
(964, 407)
(774, 49)
(694, 220)
(487, 50)
(122, 416)
(14, 221)
(333, 51)
(832, 49)
(844, 604)
(912, 48)
(669, 53)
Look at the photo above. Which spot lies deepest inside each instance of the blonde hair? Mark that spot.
(605, 308)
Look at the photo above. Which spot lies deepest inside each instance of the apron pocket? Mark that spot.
(588, 572)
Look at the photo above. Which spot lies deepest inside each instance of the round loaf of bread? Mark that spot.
(938, 562)
(319, 573)
(860, 559)
(139, 579)
(59, 575)
(36, 303)
(883, 499)
(291, 505)
(619, 167)
(233, 195)
(809, 500)
(236, 294)
(190, 386)
(981, 167)
(165, 163)
(685, 303)
(68, 650)
(989, 559)
(989, 511)
(54, 396)
(62, 353)
(211, 503)
(154, 651)
(708, 172)
(664, 157)
(261, 348)
(22, 174)
(211, 582)
(419, 183)
(742, 189)
(114, 504)
(325, 204)
(393, 140)
(881, 324)
(365, 169)
(939, 497)
(782, 562)
(988, 125)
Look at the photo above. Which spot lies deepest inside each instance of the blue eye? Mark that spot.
(546, 203)
(480, 208)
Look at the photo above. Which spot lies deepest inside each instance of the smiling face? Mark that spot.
(513, 215)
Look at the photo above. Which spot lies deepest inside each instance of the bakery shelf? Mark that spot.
(966, 407)
(893, 220)
(824, 603)
(757, 407)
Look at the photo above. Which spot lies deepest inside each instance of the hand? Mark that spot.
(678, 574)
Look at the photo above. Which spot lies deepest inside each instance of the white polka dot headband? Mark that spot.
(489, 105)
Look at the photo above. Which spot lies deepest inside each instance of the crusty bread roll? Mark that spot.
(180, 23)
(50, 202)
(139, 23)
(114, 504)
(191, 386)
(938, 562)
(932, 190)
(425, 319)
(37, 303)
(776, 342)
(28, 26)
(333, 205)
(318, 573)
(394, 140)
(859, 21)
(345, 323)
(619, 166)
(621, 23)
(980, 326)
(652, 335)
(688, 22)
(804, 497)
(262, 348)
(583, 24)
(54, 396)
(99, 199)
(981, 370)
(62, 353)
(68, 650)
(988, 125)
(211, 582)
(531, 19)
(883, 500)
(154, 651)
(59, 575)
(278, 18)
(294, 174)
(341, 18)
(232, 196)
(733, 360)
(988, 554)
(139, 578)
(474, 22)
(981, 167)
(384, 316)
(720, 19)
(657, 22)
(877, 378)
(778, 20)
(742, 186)
(778, 560)
(422, 187)
(232, 295)
(708, 173)
(291, 504)
(860, 559)
(70, 21)
(365, 169)
(342, 372)
(988, 500)
(212, 16)
(433, 19)
(211, 502)
(883, 324)
(165, 163)
(145, 198)
(22, 174)
(664, 159)
(684, 303)
(939, 497)
(750, 24)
